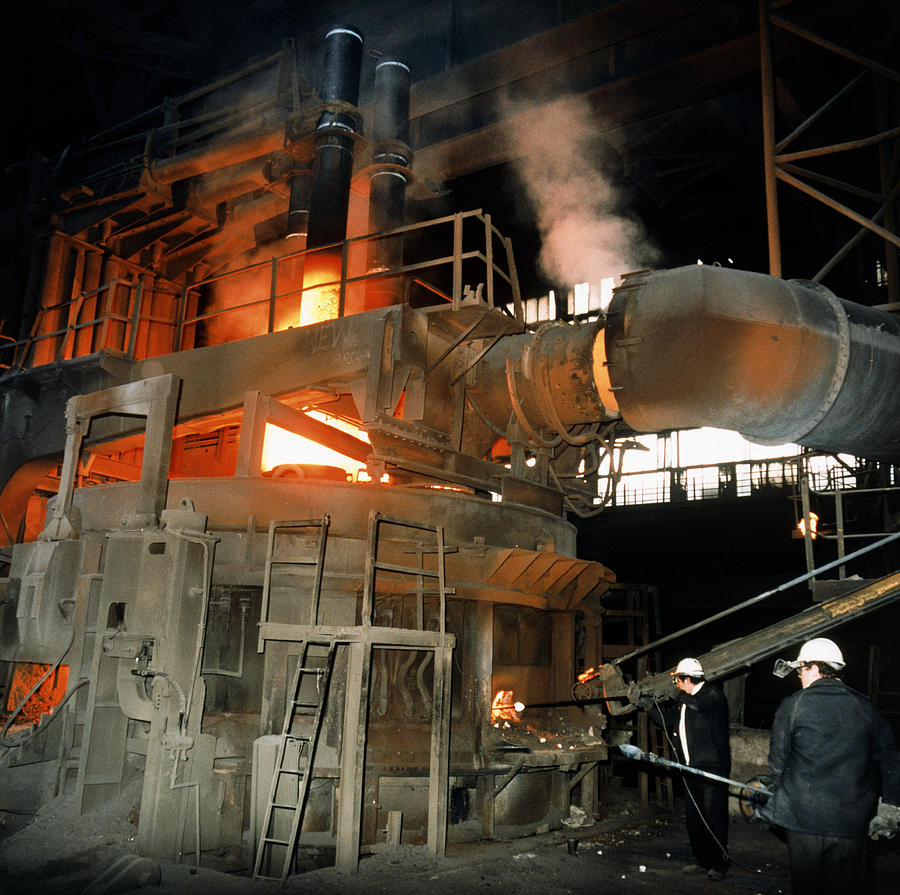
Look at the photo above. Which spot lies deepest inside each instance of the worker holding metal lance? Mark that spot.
(827, 747)
(697, 726)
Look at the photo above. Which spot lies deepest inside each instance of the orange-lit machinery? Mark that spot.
(268, 434)
(276, 461)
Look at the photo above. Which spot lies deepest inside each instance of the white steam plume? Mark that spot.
(586, 233)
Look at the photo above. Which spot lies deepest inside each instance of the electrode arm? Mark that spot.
(606, 682)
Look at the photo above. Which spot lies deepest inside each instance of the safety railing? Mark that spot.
(331, 281)
(735, 479)
(5, 341)
(836, 517)
(131, 320)
(116, 318)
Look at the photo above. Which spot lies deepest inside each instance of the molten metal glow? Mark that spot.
(503, 708)
(588, 675)
(365, 477)
(281, 446)
(43, 700)
(321, 289)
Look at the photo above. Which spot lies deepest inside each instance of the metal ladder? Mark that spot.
(296, 748)
(296, 755)
(418, 572)
(320, 529)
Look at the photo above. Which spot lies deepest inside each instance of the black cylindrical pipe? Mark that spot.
(335, 136)
(392, 155)
(388, 175)
(298, 208)
(387, 199)
(342, 66)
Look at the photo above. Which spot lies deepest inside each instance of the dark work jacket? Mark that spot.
(706, 727)
(826, 747)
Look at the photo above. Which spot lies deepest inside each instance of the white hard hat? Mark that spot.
(690, 667)
(820, 649)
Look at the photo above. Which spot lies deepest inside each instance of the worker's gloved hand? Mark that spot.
(762, 804)
(886, 822)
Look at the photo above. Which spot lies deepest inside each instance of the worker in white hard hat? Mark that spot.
(827, 747)
(820, 653)
(697, 725)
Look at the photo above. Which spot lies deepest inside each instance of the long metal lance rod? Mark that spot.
(757, 599)
(630, 751)
(551, 705)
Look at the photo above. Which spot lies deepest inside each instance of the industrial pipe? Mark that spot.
(553, 380)
(778, 361)
(608, 682)
(252, 145)
(298, 207)
(766, 642)
(336, 133)
(388, 176)
(392, 155)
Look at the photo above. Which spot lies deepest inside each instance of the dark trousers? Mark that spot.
(706, 815)
(824, 864)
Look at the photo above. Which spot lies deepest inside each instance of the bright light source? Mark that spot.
(587, 299)
(581, 298)
(813, 526)
(606, 291)
(363, 476)
(321, 289)
(281, 447)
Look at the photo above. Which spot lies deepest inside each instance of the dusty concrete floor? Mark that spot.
(629, 851)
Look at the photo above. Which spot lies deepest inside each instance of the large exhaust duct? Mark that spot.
(778, 361)
(336, 133)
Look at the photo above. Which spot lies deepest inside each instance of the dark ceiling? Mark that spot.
(654, 109)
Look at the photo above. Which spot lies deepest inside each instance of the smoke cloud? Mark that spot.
(586, 231)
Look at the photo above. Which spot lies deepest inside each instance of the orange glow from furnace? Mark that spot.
(281, 447)
(503, 708)
(321, 299)
(588, 675)
(43, 700)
